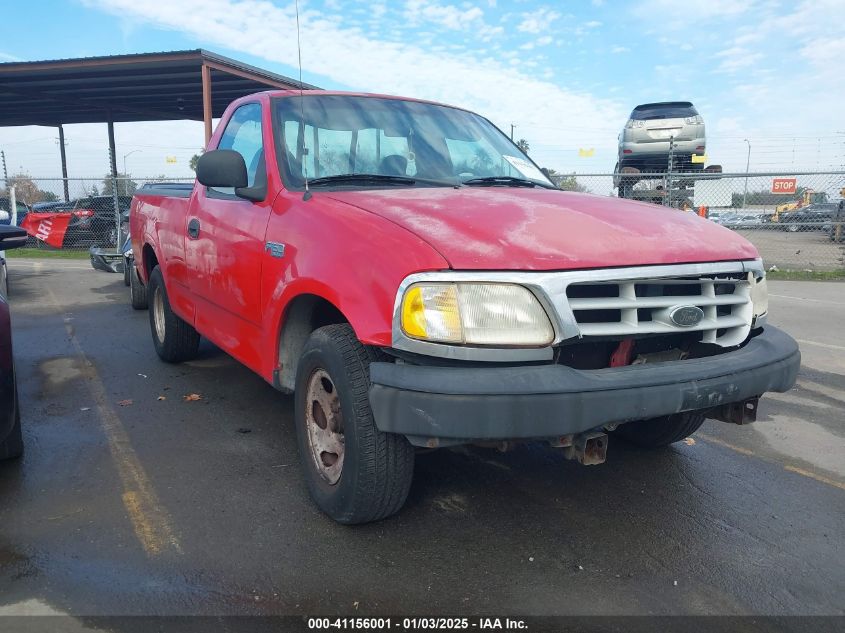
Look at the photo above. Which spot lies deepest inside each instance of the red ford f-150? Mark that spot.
(416, 281)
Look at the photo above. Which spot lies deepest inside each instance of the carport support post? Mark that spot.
(113, 163)
(13, 207)
(206, 101)
(64, 161)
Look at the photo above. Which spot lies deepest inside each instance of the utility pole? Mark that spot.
(61, 141)
(512, 127)
(125, 173)
(747, 164)
(5, 172)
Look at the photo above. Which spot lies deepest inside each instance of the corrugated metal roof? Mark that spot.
(135, 87)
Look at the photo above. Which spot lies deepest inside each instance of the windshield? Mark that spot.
(420, 143)
(651, 111)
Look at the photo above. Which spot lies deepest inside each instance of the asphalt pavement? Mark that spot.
(133, 500)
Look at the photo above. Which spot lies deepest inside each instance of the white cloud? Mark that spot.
(673, 15)
(538, 21)
(737, 58)
(448, 16)
(362, 62)
(620, 49)
(592, 24)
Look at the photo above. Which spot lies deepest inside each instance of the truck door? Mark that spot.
(225, 242)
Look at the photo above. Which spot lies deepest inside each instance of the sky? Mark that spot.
(565, 74)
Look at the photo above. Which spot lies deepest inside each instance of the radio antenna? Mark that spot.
(307, 195)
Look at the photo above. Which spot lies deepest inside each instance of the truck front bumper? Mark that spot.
(455, 405)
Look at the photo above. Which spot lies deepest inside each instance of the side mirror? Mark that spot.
(12, 237)
(222, 168)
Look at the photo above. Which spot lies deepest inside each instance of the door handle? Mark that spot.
(194, 228)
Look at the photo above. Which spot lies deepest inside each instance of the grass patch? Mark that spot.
(46, 253)
(807, 275)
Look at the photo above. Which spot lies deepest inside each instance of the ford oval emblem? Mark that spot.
(686, 316)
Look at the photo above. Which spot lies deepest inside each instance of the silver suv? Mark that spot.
(651, 128)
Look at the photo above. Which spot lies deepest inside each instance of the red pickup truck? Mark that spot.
(416, 281)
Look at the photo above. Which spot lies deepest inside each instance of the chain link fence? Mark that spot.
(72, 213)
(796, 220)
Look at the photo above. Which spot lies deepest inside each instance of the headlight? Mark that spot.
(475, 314)
(759, 298)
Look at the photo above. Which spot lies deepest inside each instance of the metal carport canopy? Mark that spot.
(194, 84)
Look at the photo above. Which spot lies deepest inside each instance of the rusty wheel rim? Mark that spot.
(324, 422)
(158, 314)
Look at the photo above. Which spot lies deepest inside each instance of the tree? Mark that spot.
(569, 183)
(565, 183)
(193, 162)
(26, 190)
(125, 185)
(523, 145)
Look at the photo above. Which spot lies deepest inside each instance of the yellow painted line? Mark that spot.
(817, 344)
(150, 520)
(812, 475)
(12, 263)
(716, 440)
(788, 467)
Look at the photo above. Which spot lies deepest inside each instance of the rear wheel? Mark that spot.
(137, 289)
(355, 472)
(175, 340)
(661, 431)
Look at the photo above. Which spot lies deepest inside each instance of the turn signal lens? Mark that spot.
(430, 312)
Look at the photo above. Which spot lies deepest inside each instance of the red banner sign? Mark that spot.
(47, 227)
(784, 185)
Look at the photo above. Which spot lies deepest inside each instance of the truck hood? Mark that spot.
(499, 228)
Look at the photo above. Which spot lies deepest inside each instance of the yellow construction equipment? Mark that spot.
(807, 198)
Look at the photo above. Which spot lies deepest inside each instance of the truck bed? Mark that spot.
(169, 189)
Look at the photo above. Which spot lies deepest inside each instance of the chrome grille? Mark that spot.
(634, 307)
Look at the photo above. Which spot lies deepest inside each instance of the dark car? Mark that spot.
(814, 217)
(93, 221)
(11, 440)
(5, 205)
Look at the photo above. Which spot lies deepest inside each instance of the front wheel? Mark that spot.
(662, 431)
(355, 473)
(174, 339)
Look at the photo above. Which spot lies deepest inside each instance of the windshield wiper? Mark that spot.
(505, 181)
(377, 179)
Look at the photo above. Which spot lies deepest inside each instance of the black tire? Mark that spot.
(12, 446)
(178, 340)
(377, 468)
(126, 265)
(658, 432)
(137, 289)
(792, 228)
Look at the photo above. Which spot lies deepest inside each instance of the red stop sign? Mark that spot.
(784, 185)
